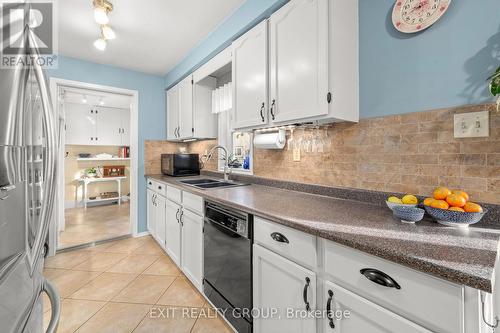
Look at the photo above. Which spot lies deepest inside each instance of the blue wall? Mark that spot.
(151, 105)
(446, 65)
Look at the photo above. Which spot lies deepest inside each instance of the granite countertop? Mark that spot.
(460, 256)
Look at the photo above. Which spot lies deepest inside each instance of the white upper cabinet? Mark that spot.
(80, 124)
(186, 129)
(250, 78)
(299, 60)
(108, 126)
(125, 138)
(92, 125)
(189, 113)
(172, 113)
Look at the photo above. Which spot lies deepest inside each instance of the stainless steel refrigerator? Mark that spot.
(28, 150)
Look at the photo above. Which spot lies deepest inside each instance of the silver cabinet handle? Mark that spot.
(262, 112)
(55, 302)
(180, 217)
(177, 215)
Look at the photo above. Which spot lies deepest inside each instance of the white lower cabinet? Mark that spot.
(350, 313)
(160, 218)
(282, 285)
(151, 212)
(173, 231)
(192, 247)
(175, 220)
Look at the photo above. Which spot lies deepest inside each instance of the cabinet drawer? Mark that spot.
(174, 194)
(431, 302)
(193, 202)
(293, 244)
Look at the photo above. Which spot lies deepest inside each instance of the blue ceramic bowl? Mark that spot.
(408, 214)
(454, 219)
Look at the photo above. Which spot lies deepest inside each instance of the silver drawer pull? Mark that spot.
(279, 237)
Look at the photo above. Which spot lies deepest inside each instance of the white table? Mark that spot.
(88, 180)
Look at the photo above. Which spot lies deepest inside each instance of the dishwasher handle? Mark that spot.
(55, 302)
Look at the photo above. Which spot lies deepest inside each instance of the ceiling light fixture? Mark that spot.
(107, 32)
(100, 44)
(101, 10)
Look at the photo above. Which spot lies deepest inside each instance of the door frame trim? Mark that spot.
(55, 85)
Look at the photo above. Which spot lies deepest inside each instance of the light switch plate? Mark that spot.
(472, 124)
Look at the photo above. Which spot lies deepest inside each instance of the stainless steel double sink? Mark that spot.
(206, 183)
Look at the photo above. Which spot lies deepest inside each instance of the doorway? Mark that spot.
(97, 167)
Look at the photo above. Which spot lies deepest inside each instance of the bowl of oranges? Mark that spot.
(453, 208)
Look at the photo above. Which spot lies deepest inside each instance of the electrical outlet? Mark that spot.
(296, 154)
(472, 124)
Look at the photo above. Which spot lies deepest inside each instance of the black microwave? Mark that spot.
(179, 165)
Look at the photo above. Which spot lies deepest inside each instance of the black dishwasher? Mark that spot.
(227, 239)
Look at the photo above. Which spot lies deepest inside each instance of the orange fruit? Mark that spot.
(440, 204)
(457, 209)
(456, 200)
(428, 201)
(441, 193)
(461, 193)
(471, 207)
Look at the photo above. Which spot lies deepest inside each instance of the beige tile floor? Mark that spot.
(129, 285)
(94, 224)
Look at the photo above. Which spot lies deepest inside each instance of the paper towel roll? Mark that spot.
(275, 140)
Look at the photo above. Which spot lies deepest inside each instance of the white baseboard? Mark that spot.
(79, 204)
(141, 234)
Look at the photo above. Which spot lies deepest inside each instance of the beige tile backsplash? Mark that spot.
(410, 153)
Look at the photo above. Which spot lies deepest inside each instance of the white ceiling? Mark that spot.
(96, 98)
(152, 35)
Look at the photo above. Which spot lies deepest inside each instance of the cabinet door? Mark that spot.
(186, 108)
(279, 283)
(161, 220)
(250, 78)
(125, 137)
(108, 126)
(173, 231)
(172, 112)
(151, 212)
(192, 247)
(299, 60)
(352, 314)
(80, 124)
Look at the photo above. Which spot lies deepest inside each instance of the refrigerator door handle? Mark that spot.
(4, 191)
(7, 188)
(55, 302)
(51, 126)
